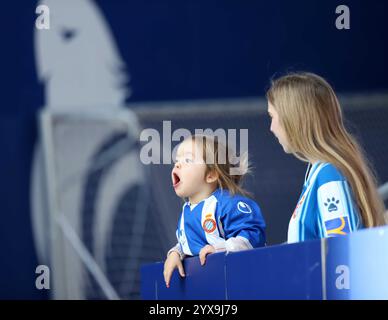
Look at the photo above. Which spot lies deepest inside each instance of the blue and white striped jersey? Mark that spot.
(218, 220)
(326, 207)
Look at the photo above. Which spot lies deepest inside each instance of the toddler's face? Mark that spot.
(188, 174)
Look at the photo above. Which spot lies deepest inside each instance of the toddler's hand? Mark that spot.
(208, 249)
(173, 261)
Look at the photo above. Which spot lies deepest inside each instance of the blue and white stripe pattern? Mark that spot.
(326, 207)
(223, 221)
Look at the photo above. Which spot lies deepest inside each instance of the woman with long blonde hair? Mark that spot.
(339, 194)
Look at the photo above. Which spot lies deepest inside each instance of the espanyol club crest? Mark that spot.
(209, 225)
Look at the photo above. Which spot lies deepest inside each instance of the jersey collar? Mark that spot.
(310, 171)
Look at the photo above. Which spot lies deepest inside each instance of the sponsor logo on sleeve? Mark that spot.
(243, 207)
(337, 226)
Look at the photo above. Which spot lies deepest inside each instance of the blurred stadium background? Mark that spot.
(74, 195)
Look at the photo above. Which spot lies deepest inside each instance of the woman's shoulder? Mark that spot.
(328, 172)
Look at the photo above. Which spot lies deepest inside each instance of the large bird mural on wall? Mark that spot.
(100, 182)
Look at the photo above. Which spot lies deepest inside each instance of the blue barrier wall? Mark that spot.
(351, 267)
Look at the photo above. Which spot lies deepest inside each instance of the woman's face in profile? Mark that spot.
(277, 129)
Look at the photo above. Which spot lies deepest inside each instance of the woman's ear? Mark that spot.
(212, 176)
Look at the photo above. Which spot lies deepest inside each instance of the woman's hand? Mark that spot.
(208, 249)
(173, 261)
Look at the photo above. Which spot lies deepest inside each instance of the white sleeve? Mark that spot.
(177, 248)
(233, 244)
(335, 209)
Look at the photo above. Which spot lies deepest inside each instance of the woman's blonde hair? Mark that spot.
(311, 116)
(220, 158)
